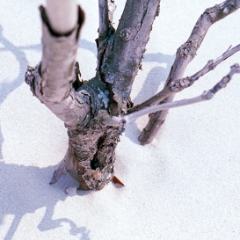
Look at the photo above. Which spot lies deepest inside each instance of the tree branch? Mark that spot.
(125, 51)
(184, 56)
(62, 14)
(106, 10)
(51, 82)
(103, 19)
(206, 95)
(180, 84)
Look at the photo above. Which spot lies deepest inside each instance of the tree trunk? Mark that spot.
(88, 108)
(85, 106)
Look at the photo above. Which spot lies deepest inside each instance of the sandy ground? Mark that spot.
(184, 185)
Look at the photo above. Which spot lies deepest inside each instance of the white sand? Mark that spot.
(185, 185)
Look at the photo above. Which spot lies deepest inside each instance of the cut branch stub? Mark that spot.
(58, 59)
(51, 81)
(57, 9)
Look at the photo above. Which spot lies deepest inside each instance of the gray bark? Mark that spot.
(88, 108)
(85, 107)
(184, 56)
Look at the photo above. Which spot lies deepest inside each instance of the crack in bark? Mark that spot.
(88, 108)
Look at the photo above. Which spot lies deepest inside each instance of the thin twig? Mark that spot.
(184, 56)
(180, 84)
(206, 95)
(183, 83)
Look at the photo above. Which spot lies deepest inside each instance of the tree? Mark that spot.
(95, 112)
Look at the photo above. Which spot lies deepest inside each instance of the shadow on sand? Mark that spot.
(151, 83)
(1, 142)
(16, 180)
(17, 200)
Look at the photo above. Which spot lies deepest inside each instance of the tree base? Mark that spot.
(91, 154)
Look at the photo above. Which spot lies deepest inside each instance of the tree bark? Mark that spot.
(184, 56)
(84, 107)
(178, 85)
(89, 108)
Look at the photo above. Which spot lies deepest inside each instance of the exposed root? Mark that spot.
(64, 166)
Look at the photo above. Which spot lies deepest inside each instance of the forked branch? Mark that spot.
(94, 111)
(180, 84)
(206, 95)
(184, 56)
(123, 55)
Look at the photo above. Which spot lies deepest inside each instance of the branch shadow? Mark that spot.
(16, 180)
(19, 196)
(8, 86)
(88, 45)
(1, 142)
(156, 76)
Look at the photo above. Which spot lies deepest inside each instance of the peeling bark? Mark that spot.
(85, 107)
(91, 109)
